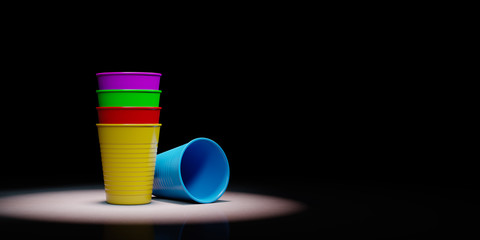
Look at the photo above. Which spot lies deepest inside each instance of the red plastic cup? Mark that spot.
(128, 114)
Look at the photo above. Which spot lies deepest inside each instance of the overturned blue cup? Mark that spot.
(197, 171)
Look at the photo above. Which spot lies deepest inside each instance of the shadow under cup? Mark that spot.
(197, 171)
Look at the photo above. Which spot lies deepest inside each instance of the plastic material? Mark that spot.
(129, 98)
(128, 114)
(128, 80)
(128, 160)
(197, 171)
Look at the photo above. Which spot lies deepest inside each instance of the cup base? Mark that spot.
(128, 200)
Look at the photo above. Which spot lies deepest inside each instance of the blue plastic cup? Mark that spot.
(197, 171)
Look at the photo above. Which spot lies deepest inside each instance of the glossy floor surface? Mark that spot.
(320, 211)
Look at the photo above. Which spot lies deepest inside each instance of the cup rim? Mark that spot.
(129, 73)
(129, 124)
(195, 198)
(129, 108)
(129, 90)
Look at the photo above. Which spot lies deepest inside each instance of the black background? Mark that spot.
(296, 101)
(291, 106)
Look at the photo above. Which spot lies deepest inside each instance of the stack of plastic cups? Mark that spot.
(128, 132)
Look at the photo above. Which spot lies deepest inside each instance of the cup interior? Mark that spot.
(204, 170)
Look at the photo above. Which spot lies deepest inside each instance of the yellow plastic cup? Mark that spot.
(128, 160)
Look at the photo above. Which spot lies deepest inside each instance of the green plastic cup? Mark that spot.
(128, 98)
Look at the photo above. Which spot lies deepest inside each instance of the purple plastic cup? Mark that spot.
(128, 80)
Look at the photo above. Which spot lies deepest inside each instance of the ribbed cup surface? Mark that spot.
(167, 182)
